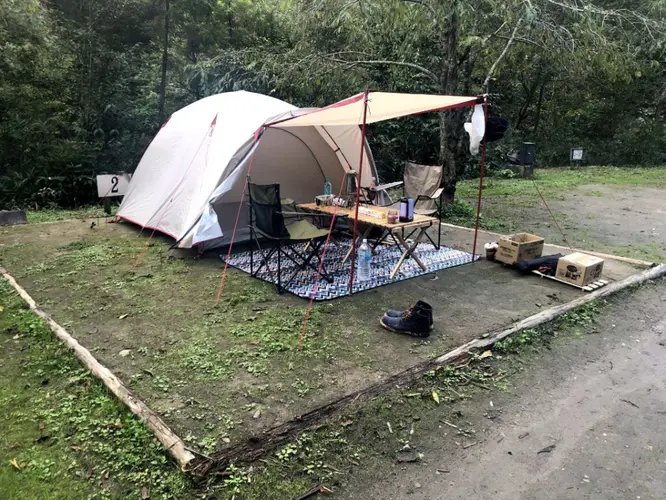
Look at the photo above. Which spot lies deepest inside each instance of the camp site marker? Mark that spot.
(110, 185)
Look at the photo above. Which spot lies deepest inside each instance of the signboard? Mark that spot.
(577, 154)
(112, 185)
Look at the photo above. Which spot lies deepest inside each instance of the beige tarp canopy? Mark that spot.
(372, 107)
(381, 106)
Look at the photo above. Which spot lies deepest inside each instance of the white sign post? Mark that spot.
(112, 185)
(577, 156)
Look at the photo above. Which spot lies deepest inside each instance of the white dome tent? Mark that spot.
(190, 181)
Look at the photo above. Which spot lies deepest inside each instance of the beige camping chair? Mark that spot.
(422, 183)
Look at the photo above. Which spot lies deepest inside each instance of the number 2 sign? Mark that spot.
(112, 185)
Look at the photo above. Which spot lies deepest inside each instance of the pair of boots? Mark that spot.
(415, 321)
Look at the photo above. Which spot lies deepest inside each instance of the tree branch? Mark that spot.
(379, 62)
(508, 45)
(428, 6)
(519, 39)
(468, 54)
(630, 16)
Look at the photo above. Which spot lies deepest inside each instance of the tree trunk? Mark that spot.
(165, 60)
(538, 110)
(450, 124)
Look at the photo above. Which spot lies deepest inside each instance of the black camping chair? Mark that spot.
(267, 222)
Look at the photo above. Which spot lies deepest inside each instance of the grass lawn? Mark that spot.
(555, 182)
(57, 214)
(62, 435)
(219, 374)
(607, 209)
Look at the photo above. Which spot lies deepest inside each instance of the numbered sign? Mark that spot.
(577, 154)
(112, 185)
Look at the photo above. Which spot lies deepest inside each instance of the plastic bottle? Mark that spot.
(328, 188)
(364, 261)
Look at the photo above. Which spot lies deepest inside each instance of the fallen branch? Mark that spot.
(314, 492)
(630, 403)
(174, 445)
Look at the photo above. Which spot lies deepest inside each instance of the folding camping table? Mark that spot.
(418, 226)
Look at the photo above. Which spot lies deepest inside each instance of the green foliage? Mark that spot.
(578, 319)
(79, 79)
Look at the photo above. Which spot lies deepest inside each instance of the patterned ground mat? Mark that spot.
(303, 285)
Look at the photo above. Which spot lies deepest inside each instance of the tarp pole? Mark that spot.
(483, 169)
(358, 188)
(319, 269)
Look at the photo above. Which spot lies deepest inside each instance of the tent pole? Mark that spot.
(358, 189)
(483, 169)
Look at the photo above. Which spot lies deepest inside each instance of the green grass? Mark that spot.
(66, 436)
(462, 213)
(217, 360)
(57, 214)
(556, 181)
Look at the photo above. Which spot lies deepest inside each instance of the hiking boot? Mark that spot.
(414, 321)
(392, 313)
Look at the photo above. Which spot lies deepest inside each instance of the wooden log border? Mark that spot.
(173, 444)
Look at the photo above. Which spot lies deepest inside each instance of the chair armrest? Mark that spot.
(390, 185)
(435, 196)
(385, 188)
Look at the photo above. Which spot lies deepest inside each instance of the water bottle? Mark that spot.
(328, 188)
(364, 260)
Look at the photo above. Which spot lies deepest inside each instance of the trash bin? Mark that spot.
(527, 153)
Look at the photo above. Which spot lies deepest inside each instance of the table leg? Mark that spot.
(378, 242)
(409, 251)
(359, 239)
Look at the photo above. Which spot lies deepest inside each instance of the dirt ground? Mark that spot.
(585, 419)
(220, 374)
(598, 398)
(616, 219)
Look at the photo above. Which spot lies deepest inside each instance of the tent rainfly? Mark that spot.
(190, 181)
